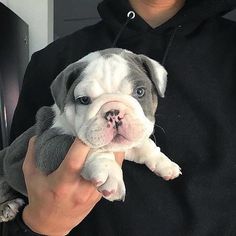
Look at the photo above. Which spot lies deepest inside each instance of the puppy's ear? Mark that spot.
(156, 73)
(63, 82)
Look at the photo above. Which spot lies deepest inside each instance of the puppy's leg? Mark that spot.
(102, 169)
(9, 204)
(150, 155)
(11, 175)
(51, 149)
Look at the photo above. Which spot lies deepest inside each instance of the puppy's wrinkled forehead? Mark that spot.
(111, 70)
(104, 73)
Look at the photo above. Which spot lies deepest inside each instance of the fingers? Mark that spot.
(119, 157)
(73, 163)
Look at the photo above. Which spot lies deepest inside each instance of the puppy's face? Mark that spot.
(108, 99)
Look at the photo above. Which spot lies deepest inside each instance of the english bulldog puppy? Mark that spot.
(108, 100)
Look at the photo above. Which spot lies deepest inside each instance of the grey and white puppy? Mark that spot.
(108, 100)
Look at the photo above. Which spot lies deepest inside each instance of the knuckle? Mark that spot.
(71, 166)
(83, 199)
(86, 197)
(32, 140)
(61, 191)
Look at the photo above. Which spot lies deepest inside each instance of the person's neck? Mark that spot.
(156, 12)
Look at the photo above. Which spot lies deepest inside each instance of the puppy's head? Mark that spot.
(108, 99)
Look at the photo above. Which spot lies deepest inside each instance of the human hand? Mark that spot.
(61, 200)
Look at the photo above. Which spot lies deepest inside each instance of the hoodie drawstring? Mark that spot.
(171, 40)
(130, 16)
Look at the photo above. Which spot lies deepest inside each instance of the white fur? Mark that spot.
(64, 123)
(90, 57)
(102, 169)
(150, 155)
(104, 75)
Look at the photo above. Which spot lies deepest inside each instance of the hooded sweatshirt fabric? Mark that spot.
(195, 122)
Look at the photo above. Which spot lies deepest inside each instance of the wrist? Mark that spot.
(43, 225)
(19, 226)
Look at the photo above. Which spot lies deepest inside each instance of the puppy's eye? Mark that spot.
(84, 100)
(140, 92)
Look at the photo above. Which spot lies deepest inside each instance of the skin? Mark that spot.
(63, 197)
(156, 12)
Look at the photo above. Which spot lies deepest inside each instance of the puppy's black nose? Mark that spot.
(111, 114)
(113, 118)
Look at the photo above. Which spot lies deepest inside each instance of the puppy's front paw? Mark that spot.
(107, 177)
(169, 171)
(164, 167)
(9, 209)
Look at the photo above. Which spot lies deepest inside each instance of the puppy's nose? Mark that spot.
(114, 117)
(111, 113)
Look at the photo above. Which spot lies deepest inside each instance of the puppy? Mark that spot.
(108, 99)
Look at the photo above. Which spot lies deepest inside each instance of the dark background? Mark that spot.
(14, 57)
(71, 15)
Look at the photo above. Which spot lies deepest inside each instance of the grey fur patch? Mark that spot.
(156, 73)
(149, 101)
(63, 82)
(6, 192)
(51, 146)
(150, 68)
(110, 51)
(13, 157)
(51, 149)
(44, 119)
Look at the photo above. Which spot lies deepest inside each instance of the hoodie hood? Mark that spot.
(114, 15)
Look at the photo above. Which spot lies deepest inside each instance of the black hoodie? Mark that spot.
(195, 122)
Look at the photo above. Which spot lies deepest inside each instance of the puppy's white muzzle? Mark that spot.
(113, 122)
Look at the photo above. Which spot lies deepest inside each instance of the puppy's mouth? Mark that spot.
(109, 135)
(119, 139)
